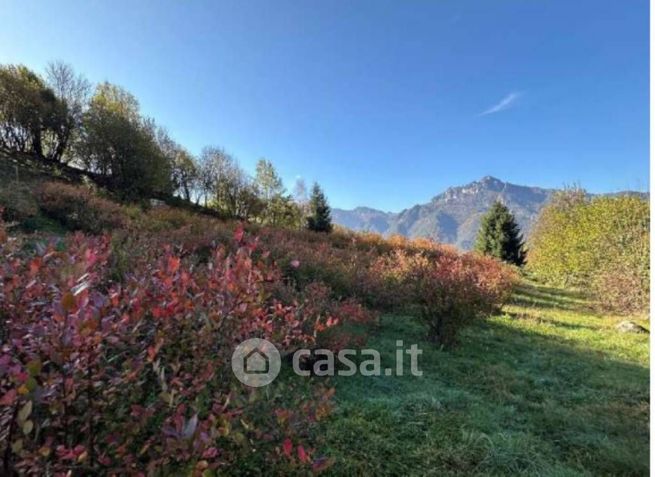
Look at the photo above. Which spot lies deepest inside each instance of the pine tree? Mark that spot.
(499, 236)
(320, 219)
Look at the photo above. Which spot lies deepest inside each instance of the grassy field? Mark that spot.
(547, 388)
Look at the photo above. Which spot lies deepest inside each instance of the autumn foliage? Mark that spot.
(116, 348)
(443, 286)
(79, 208)
(131, 377)
(447, 289)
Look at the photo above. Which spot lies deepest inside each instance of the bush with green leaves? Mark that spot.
(599, 244)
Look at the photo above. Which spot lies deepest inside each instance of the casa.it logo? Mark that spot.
(256, 362)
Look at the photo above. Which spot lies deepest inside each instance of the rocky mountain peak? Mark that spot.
(490, 180)
(487, 183)
(454, 215)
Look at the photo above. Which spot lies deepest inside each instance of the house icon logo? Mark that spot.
(256, 362)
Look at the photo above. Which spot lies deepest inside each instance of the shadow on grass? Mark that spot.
(548, 321)
(506, 401)
(531, 294)
(552, 292)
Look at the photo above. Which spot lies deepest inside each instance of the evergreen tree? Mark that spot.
(320, 219)
(499, 236)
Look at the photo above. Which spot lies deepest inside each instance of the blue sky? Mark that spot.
(385, 103)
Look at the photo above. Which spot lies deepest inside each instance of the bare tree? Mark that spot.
(300, 193)
(73, 91)
(69, 86)
(301, 196)
(225, 186)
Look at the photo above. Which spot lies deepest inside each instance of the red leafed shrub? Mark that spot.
(79, 208)
(355, 321)
(449, 289)
(342, 262)
(338, 324)
(98, 377)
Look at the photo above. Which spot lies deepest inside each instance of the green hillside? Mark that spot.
(546, 388)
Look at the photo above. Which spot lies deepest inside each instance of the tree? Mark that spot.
(224, 185)
(320, 219)
(300, 196)
(499, 236)
(70, 87)
(278, 208)
(121, 146)
(268, 182)
(282, 211)
(184, 173)
(32, 119)
(184, 169)
(73, 90)
(19, 108)
(598, 244)
(247, 203)
(207, 173)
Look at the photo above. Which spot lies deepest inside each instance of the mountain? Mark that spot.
(363, 218)
(452, 216)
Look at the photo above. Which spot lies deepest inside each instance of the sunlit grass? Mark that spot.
(549, 387)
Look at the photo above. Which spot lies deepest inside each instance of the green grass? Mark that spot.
(547, 388)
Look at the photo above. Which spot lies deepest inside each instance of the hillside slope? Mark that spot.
(549, 387)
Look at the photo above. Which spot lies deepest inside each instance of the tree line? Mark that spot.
(63, 120)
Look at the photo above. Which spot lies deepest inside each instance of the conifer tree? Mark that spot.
(320, 219)
(499, 236)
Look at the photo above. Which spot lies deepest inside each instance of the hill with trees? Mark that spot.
(78, 130)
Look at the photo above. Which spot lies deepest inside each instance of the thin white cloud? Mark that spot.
(505, 103)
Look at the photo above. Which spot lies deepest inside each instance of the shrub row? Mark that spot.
(447, 288)
(352, 265)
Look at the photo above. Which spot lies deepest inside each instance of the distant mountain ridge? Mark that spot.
(452, 216)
